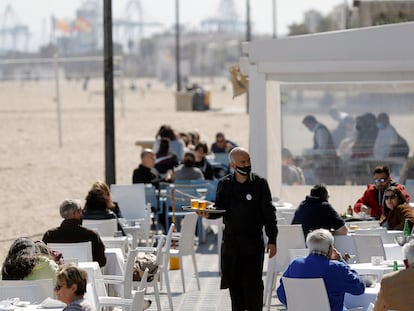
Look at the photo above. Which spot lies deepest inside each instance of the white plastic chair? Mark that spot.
(81, 251)
(34, 291)
(126, 278)
(163, 269)
(287, 215)
(131, 200)
(306, 294)
(132, 203)
(289, 237)
(385, 237)
(104, 227)
(23, 292)
(186, 245)
(157, 276)
(367, 246)
(136, 302)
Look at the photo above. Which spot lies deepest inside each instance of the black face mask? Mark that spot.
(243, 170)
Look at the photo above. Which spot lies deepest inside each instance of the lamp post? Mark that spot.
(274, 19)
(109, 95)
(177, 45)
(346, 15)
(248, 24)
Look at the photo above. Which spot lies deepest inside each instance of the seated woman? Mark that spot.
(98, 206)
(187, 170)
(201, 151)
(165, 160)
(24, 261)
(113, 206)
(397, 210)
(71, 287)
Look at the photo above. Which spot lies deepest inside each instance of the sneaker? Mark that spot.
(147, 304)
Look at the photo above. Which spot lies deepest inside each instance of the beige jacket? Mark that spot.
(397, 291)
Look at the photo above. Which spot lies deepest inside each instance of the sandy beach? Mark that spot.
(37, 174)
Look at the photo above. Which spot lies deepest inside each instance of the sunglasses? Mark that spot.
(389, 197)
(380, 180)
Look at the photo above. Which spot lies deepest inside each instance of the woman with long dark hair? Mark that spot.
(396, 210)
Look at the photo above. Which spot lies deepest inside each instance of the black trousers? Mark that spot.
(244, 298)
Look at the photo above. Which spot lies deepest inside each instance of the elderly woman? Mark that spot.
(25, 261)
(71, 287)
(397, 210)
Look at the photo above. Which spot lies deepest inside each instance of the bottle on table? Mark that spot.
(406, 229)
(349, 210)
(395, 266)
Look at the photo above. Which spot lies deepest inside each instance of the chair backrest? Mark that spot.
(23, 292)
(297, 252)
(131, 200)
(186, 242)
(91, 295)
(128, 272)
(212, 190)
(386, 238)
(34, 291)
(306, 294)
(160, 245)
(82, 251)
(222, 157)
(289, 237)
(287, 215)
(104, 227)
(151, 195)
(143, 283)
(367, 246)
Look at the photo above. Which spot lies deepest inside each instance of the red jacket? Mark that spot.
(372, 196)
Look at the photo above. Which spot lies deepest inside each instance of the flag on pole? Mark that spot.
(61, 25)
(81, 24)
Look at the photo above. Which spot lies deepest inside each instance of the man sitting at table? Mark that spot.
(325, 262)
(316, 212)
(146, 173)
(372, 201)
(72, 231)
(397, 287)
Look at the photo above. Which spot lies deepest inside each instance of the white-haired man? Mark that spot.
(397, 288)
(324, 262)
(72, 231)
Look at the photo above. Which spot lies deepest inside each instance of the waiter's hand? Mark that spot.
(203, 214)
(271, 249)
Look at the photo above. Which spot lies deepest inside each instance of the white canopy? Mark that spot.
(381, 53)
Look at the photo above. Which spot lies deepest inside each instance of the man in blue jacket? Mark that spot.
(325, 262)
